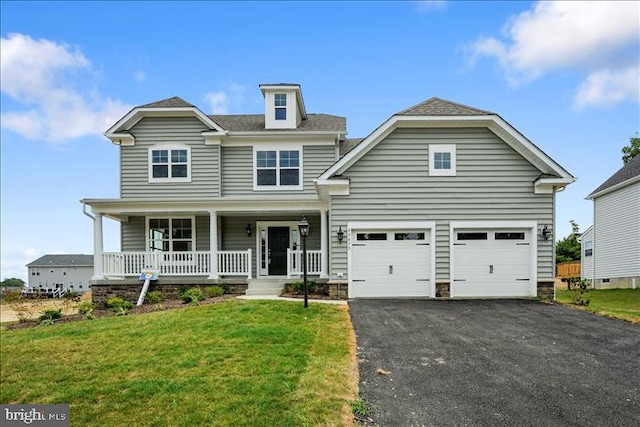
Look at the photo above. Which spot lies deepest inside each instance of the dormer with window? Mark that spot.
(284, 106)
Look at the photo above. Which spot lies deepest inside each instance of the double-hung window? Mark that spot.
(169, 164)
(442, 160)
(278, 169)
(170, 234)
(280, 103)
(588, 248)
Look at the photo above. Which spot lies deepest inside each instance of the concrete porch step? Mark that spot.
(266, 286)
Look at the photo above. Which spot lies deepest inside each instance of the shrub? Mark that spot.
(578, 289)
(213, 291)
(298, 287)
(48, 317)
(86, 308)
(119, 305)
(192, 296)
(154, 297)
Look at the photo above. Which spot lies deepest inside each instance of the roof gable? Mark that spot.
(174, 102)
(441, 107)
(628, 173)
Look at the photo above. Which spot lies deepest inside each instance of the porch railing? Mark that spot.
(193, 263)
(294, 262)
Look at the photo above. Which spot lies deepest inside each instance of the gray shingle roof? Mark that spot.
(175, 102)
(348, 145)
(255, 123)
(65, 260)
(442, 107)
(625, 173)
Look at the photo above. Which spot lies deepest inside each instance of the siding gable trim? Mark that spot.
(494, 123)
(119, 133)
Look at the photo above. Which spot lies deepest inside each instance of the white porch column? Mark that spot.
(98, 267)
(324, 245)
(213, 244)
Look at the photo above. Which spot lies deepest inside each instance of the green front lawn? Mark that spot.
(618, 303)
(241, 363)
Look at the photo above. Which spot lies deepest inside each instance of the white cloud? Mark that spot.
(596, 38)
(608, 87)
(227, 100)
(56, 85)
(429, 6)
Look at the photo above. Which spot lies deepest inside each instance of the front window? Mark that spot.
(442, 160)
(170, 234)
(279, 169)
(169, 164)
(280, 102)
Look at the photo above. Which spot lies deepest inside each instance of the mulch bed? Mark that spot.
(144, 308)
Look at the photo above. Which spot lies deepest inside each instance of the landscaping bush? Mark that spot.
(298, 287)
(154, 297)
(119, 305)
(213, 291)
(85, 307)
(192, 296)
(578, 289)
(48, 317)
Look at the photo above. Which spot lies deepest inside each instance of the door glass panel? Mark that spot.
(510, 236)
(409, 236)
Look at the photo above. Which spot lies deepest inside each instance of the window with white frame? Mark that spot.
(170, 234)
(588, 248)
(442, 160)
(280, 103)
(278, 169)
(170, 163)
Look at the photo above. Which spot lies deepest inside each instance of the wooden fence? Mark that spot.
(568, 269)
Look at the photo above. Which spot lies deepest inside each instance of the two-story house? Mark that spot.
(57, 274)
(440, 200)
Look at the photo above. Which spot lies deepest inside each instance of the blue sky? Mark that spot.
(565, 74)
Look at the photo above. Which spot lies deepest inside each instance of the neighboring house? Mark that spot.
(440, 200)
(56, 273)
(611, 247)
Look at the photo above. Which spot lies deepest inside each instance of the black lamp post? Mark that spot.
(303, 226)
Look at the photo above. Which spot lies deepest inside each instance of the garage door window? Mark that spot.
(472, 236)
(409, 236)
(371, 236)
(509, 236)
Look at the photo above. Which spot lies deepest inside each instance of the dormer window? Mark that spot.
(280, 102)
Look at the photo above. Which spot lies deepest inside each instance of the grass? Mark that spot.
(241, 363)
(618, 303)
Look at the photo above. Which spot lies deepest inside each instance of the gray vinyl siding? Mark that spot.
(133, 234)
(134, 160)
(392, 183)
(617, 233)
(237, 169)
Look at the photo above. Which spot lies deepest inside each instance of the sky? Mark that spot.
(565, 74)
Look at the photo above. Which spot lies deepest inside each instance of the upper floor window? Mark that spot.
(278, 169)
(588, 248)
(169, 164)
(442, 160)
(280, 102)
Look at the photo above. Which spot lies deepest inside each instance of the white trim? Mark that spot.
(429, 226)
(278, 148)
(442, 148)
(169, 147)
(531, 226)
(170, 218)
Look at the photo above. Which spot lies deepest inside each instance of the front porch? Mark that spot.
(214, 265)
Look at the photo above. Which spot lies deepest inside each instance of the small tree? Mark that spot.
(568, 249)
(632, 150)
(12, 283)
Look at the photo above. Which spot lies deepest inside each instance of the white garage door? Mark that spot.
(390, 263)
(491, 263)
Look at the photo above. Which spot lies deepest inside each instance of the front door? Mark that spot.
(278, 245)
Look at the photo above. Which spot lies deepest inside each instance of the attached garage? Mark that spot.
(493, 262)
(391, 260)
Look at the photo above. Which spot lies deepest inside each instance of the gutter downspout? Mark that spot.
(553, 251)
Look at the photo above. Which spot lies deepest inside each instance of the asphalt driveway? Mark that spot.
(495, 363)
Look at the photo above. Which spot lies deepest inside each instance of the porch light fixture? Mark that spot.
(340, 234)
(303, 227)
(249, 230)
(545, 233)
